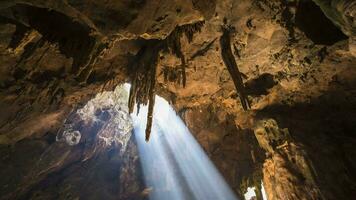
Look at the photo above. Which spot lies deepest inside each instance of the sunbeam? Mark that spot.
(174, 164)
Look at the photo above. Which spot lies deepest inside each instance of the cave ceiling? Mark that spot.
(267, 87)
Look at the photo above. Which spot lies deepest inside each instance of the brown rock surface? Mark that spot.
(297, 63)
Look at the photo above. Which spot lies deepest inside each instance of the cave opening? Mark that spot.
(174, 164)
(312, 21)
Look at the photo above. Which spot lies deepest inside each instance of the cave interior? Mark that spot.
(178, 100)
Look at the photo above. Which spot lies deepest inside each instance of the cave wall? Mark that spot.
(294, 73)
(298, 75)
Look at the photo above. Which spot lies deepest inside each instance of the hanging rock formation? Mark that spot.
(291, 64)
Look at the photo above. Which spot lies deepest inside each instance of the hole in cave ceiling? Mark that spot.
(107, 113)
(174, 164)
(312, 21)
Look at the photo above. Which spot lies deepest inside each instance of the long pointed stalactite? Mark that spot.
(152, 99)
(229, 60)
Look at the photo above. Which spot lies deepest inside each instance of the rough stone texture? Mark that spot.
(297, 62)
(294, 74)
(287, 166)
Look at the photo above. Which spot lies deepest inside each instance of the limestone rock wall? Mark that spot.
(297, 63)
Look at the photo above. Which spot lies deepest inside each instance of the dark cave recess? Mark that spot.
(312, 21)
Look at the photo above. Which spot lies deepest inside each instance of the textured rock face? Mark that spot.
(290, 77)
(93, 156)
(297, 63)
(287, 166)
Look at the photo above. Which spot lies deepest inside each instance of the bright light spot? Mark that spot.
(250, 193)
(264, 195)
(127, 87)
(174, 165)
(108, 109)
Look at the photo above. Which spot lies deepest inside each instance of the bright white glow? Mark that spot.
(264, 195)
(174, 165)
(250, 193)
(109, 108)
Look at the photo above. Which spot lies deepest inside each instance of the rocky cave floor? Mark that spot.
(267, 87)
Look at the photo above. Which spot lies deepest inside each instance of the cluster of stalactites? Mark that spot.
(142, 90)
(173, 43)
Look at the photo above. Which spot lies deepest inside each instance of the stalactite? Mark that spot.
(142, 90)
(152, 98)
(190, 29)
(184, 76)
(229, 60)
(87, 68)
(143, 82)
(174, 44)
(203, 51)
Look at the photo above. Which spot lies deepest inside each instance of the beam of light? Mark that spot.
(175, 166)
(264, 195)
